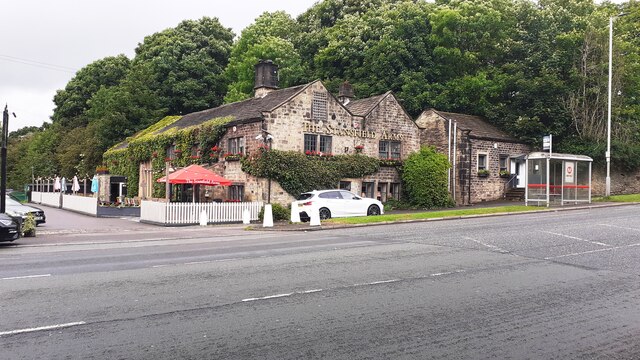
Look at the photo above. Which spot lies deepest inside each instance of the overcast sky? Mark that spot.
(44, 42)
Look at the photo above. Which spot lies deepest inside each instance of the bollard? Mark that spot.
(268, 216)
(314, 216)
(245, 217)
(295, 213)
(203, 218)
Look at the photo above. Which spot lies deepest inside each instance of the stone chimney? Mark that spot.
(266, 78)
(345, 94)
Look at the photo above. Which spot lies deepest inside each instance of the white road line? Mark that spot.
(341, 287)
(492, 247)
(592, 251)
(198, 262)
(619, 227)
(576, 238)
(268, 297)
(25, 277)
(42, 328)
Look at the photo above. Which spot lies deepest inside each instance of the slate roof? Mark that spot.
(363, 107)
(478, 126)
(250, 109)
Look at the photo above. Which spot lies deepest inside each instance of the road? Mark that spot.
(553, 285)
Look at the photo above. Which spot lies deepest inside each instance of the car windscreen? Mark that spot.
(305, 196)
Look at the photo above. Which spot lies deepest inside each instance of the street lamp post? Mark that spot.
(608, 153)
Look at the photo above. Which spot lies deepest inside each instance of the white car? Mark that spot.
(336, 203)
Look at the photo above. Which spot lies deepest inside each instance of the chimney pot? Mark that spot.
(345, 93)
(266, 77)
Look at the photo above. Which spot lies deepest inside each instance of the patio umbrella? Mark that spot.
(76, 185)
(94, 184)
(63, 184)
(56, 184)
(195, 175)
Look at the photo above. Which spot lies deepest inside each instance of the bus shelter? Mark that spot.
(558, 179)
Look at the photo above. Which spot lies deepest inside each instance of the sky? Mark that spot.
(44, 42)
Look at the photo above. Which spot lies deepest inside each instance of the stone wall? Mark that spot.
(491, 187)
(621, 182)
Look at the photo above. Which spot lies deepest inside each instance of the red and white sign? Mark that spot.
(569, 172)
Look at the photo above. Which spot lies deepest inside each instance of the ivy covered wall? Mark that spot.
(151, 144)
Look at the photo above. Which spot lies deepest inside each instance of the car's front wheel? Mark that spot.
(373, 210)
(325, 214)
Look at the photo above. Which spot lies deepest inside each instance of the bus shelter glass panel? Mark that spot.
(537, 180)
(583, 181)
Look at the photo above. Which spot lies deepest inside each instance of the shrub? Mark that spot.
(298, 173)
(425, 179)
(280, 212)
(29, 226)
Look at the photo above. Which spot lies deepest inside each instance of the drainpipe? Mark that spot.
(469, 173)
(455, 153)
(449, 157)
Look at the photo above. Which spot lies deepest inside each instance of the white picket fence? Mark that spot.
(189, 213)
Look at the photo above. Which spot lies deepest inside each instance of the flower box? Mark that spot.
(505, 174)
(483, 173)
(232, 157)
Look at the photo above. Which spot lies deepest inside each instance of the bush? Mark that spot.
(29, 226)
(297, 173)
(425, 179)
(393, 204)
(280, 212)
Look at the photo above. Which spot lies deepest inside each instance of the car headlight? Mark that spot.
(6, 222)
(14, 213)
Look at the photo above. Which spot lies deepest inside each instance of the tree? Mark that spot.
(72, 102)
(270, 37)
(186, 64)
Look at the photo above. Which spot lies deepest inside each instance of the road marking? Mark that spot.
(25, 277)
(576, 238)
(42, 328)
(344, 287)
(198, 262)
(592, 251)
(268, 297)
(620, 227)
(492, 247)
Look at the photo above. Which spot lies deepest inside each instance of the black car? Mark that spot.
(9, 228)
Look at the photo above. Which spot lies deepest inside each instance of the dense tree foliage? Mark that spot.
(530, 67)
(270, 37)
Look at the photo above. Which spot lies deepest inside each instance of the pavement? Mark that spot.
(286, 226)
(62, 222)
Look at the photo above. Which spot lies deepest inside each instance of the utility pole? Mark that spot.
(3, 156)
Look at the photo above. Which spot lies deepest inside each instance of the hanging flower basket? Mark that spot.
(359, 149)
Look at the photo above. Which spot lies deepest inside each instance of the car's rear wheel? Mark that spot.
(325, 214)
(373, 210)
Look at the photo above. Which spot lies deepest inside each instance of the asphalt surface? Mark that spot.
(550, 285)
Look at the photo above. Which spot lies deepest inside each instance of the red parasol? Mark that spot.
(196, 175)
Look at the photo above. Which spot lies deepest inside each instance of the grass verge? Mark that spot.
(619, 198)
(431, 214)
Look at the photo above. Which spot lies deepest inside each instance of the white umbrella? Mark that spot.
(76, 185)
(56, 184)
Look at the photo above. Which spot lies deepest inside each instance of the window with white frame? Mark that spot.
(482, 161)
(504, 159)
(388, 149)
(320, 143)
(236, 145)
